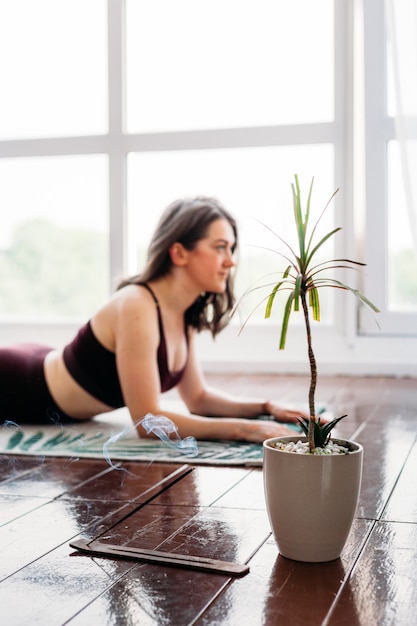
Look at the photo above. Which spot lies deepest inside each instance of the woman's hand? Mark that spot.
(256, 431)
(282, 414)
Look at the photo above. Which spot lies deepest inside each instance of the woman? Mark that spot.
(142, 342)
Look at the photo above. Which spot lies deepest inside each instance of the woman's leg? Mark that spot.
(24, 395)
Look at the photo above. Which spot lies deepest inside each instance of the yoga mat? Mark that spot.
(111, 436)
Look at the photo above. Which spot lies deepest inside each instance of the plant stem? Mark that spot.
(313, 372)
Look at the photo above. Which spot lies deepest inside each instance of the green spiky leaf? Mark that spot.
(284, 328)
(321, 431)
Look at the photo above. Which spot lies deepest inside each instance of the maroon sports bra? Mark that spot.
(94, 367)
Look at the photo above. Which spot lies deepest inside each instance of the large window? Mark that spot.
(111, 109)
(147, 107)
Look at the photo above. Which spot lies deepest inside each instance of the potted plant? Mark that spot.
(312, 483)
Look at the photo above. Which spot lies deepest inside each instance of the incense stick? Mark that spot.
(95, 548)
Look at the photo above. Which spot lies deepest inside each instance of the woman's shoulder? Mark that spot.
(128, 308)
(132, 295)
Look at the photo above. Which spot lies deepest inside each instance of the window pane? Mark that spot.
(253, 183)
(193, 64)
(53, 61)
(54, 236)
(402, 224)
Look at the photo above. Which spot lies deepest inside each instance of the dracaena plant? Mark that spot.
(304, 277)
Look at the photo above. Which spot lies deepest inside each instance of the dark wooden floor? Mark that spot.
(214, 512)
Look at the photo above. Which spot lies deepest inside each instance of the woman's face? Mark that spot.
(210, 262)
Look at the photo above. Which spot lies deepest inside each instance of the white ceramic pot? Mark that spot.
(311, 499)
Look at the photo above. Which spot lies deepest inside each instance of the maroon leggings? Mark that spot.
(24, 395)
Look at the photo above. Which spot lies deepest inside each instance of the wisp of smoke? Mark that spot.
(9, 423)
(164, 428)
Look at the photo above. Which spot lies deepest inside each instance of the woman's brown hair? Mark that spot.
(187, 222)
